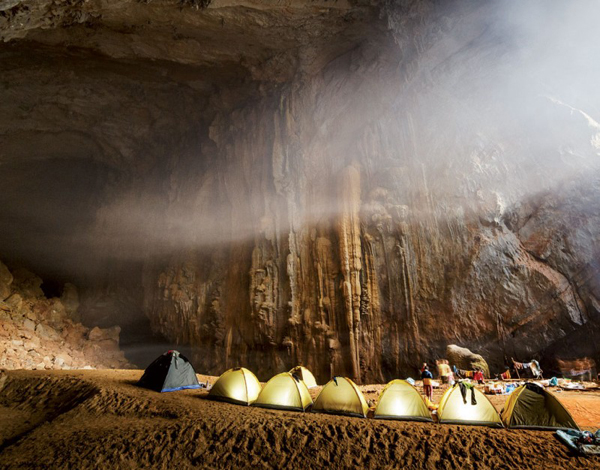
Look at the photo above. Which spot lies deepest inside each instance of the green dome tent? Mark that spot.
(286, 392)
(341, 396)
(400, 400)
(238, 385)
(530, 406)
(170, 372)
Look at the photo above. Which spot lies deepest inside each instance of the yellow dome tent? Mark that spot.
(286, 392)
(341, 396)
(237, 385)
(400, 400)
(305, 375)
(530, 406)
(453, 409)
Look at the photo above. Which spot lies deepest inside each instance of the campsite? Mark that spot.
(299, 234)
(88, 419)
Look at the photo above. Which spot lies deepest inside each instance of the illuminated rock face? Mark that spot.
(354, 208)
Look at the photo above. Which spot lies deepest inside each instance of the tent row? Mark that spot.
(529, 406)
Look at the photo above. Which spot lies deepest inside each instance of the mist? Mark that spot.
(447, 119)
(504, 103)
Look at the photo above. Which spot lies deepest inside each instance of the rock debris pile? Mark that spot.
(41, 333)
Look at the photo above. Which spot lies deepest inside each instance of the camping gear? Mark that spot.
(341, 396)
(573, 386)
(305, 376)
(169, 372)
(411, 381)
(583, 442)
(493, 388)
(534, 366)
(453, 409)
(400, 400)
(237, 385)
(284, 391)
(430, 405)
(530, 406)
(553, 382)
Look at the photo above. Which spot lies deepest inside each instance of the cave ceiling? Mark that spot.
(109, 90)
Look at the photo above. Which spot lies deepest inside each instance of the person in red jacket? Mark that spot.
(478, 376)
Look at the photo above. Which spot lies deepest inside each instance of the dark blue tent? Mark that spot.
(170, 372)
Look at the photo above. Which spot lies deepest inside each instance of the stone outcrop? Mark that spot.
(352, 186)
(6, 279)
(40, 333)
(466, 360)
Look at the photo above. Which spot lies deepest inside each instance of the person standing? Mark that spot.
(427, 377)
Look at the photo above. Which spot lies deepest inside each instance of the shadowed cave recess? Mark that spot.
(351, 185)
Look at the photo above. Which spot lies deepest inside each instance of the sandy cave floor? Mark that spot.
(100, 419)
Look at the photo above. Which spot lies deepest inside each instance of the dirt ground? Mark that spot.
(100, 419)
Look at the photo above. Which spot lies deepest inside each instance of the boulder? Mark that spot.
(29, 324)
(70, 300)
(31, 344)
(62, 361)
(28, 284)
(100, 334)
(464, 359)
(74, 334)
(6, 279)
(4, 312)
(47, 332)
(57, 313)
(108, 345)
(30, 314)
(15, 302)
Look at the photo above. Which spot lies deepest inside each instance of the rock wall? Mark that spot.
(365, 217)
(41, 333)
(351, 186)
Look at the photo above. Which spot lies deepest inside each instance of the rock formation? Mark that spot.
(40, 333)
(351, 186)
(466, 360)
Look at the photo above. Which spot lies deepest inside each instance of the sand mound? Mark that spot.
(100, 419)
(25, 404)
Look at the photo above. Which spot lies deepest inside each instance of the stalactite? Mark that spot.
(350, 255)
